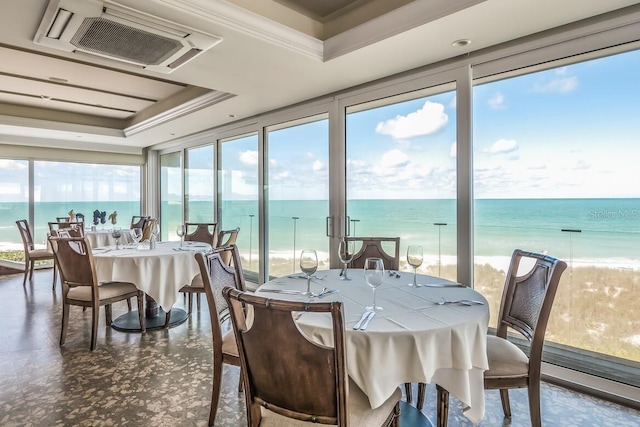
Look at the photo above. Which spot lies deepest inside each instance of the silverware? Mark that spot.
(281, 291)
(444, 285)
(367, 320)
(458, 301)
(362, 319)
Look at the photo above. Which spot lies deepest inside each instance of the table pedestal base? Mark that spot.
(410, 416)
(128, 322)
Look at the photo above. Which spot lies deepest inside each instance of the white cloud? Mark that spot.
(563, 83)
(249, 158)
(8, 164)
(394, 159)
(502, 146)
(581, 164)
(454, 149)
(427, 120)
(318, 166)
(496, 102)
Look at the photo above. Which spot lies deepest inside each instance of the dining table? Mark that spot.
(433, 333)
(159, 272)
(102, 238)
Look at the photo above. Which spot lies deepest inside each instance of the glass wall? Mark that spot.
(298, 193)
(401, 174)
(14, 205)
(199, 184)
(170, 195)
(238, 183)
(555, 171)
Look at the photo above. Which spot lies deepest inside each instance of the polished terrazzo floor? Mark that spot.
(163, 378)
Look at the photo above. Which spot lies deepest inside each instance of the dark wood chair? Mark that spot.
(31, 254)
(226, 238)
(75, 229)
(80, 286)
(138, 221)
(147, 228)
(201, 232)
(526, 303)
(216, 275)
(290, 380)
(372, 247)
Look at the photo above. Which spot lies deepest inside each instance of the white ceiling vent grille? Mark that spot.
(88, 26)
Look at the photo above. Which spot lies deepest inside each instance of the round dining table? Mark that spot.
(102, 238)
(421, 334)
(160, 273)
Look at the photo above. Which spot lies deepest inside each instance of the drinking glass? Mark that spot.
(414, 258)
(345, 252)
(374, 274)
(116, 233)
(136, 235)
(180, 231)
(308, 265)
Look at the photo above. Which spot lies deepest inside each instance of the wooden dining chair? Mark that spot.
(147, 228)
(528, 294)
(32, 255)
(216, 275)
(226, 238)
(373, 247)
(75, 229)
(291, 380)
(80, 285)
(138, 221)
(63, 218)
(205, 232)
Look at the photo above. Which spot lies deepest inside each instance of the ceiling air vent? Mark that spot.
(91, 27)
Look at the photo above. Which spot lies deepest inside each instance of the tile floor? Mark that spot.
(163, 378)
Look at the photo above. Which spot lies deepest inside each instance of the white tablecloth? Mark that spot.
(411, 340)
(160, 272)
(100, 238)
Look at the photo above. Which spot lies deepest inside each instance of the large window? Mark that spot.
(238, 185)
(298, 194)
(170, 195)
(199, 184)
(401, 174)
(556, 170)
(14, 205)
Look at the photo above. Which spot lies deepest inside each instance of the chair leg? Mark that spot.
(94, 325)
(140, 297)
(215, 390)
(422, 389)
(198, 300)
(534, 404)
(442, 406)
(32, 264)
(506, 407)
(190, 299)
(129, 303)
(408, 392)
(65, 322)
(240, 382)
(107, 314)
(26, 272)
(167, 319)
(55, 275)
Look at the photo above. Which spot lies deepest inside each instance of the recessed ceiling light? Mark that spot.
(461, 43)
(231, 116)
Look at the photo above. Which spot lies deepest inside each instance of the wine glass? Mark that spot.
(180, 231)
(374, 274)
(155, 231)
(136, 235)
(308, 265)
(414, 258)
(116, 233)
(345, 253)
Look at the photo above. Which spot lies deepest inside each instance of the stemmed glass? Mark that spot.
(345, 252)
(414, 258)
(116, 233)
(180, 231)
(374, 274)
(136, 235)
(308, 265)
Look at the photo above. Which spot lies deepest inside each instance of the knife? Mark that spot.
(364, 316)
(280, 291)
(444, 285)
(367, 320)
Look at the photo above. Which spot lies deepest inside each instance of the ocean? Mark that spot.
(600, 231)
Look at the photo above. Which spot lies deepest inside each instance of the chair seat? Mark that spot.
(40, 254)
(359, 409)
(107, 291)
(229, 345)
(505, 359)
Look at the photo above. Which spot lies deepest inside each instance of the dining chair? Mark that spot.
(226, 238)
(528, 294)
(75, 229)
(138, 221)
(80, 286)
(147, 228)
(201, 232)
(373, 247)
(63, 218)
(215, 275)
(32, 255)
(289, 380)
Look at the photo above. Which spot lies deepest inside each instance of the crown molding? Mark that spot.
(204, 101)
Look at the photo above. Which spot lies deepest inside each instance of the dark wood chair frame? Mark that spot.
(77, 268)
(205, 232)
(372, 247)
(31, 254)
(216, 274)
(525, 308)
(290, 383)
(138, 221)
